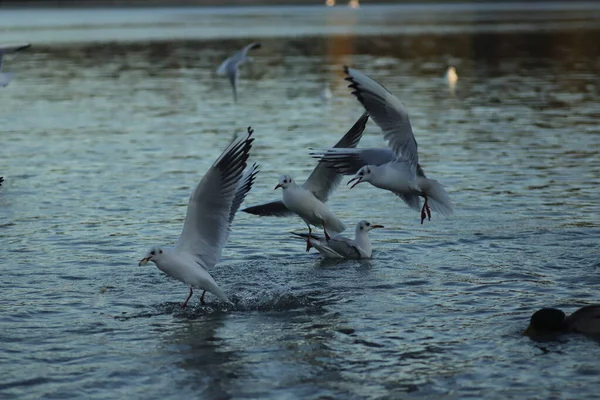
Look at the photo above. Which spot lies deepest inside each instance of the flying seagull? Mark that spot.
(206, 228)
(395, 168)
(230, 66)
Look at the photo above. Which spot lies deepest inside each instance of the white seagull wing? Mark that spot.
(206, 225)
(230, 64)
(349, 161)
(387, 112)
(323, 179)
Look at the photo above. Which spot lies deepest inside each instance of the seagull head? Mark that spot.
(363, 175)
(285, 181)
(366, 226)
(154, 255)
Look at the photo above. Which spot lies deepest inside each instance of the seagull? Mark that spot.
(316, 189)
(5, 77)
(342, 247)
(1, 180)
(307, 206)
(230, 66)
(451, 77)
(397, 168)
(211, 209)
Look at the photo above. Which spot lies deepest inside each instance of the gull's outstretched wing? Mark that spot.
(323, 180)
(273, 209)
(387, 112)
(206, 225)
(230, 66)
(234, 61)
(349, 161)
(244, 186)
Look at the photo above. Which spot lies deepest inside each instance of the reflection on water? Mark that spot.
(113, 115)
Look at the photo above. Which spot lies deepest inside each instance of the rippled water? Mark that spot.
(103, 139)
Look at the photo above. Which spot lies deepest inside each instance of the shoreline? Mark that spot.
(17, 4)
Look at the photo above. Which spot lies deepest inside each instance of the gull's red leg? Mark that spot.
(202, 298)
(184, 305)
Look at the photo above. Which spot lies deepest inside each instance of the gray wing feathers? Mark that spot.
(412, 200)
(272, 209)
(242, 190)
(387, 112)
(323, 180)
(349, 161)
(206, 225)
(337, 247)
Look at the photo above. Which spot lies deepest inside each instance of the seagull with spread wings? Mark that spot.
(308, 200)
(395, 168)
(211, 209)
(230, 67)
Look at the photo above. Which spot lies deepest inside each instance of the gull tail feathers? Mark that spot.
(334, 226)
(214, 289)
(439, 200)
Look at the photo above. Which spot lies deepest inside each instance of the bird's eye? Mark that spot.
(160, 251)
(368, 224)
(285, 181)
(153, 252)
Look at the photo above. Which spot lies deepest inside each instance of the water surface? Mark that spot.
(114, 115)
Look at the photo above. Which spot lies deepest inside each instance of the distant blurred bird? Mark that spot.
(326, 94)
(1, 180)
(5, 77)
(342, 247)
(451, 77)
(230, 66)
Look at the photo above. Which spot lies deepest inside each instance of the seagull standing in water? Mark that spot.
(307, 200)
(230, 66)
(211, 209)
(5, 77)
(396, 168)
(342, 247)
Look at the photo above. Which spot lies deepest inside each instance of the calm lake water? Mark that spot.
(114, 115)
